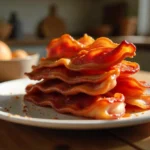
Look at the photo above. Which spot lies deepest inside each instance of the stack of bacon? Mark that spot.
(88, 77)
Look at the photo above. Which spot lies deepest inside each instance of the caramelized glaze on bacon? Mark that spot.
(97, 107)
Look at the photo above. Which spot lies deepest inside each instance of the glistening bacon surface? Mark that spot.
(49, 86)
(97, 107)
(95, 59)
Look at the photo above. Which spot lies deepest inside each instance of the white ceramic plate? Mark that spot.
(14, 109)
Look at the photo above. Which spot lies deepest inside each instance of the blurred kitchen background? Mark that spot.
(31, 24)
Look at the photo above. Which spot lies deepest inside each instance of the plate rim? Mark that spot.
(70, 124)
(73, 124)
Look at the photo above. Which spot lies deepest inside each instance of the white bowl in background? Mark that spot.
(15, 68)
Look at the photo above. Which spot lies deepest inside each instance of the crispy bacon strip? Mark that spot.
(94, 59)
(105, 56)
(135, 92)
(69, 76)
(97, 107)
(130, 87)
(103, 42)
(142, 101)
(88, 77)
(48, 86)
(65, 46)
(126, 68)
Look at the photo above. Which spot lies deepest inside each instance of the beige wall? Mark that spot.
(144, 17)
(78, 14)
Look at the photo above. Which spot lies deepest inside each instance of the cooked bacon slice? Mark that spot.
(104, 56)
(65, 46)
(88, 77)
(130, 87)
(126, 68)
(94, 59)
(48, 86)
(86, 40)
(135, 92)
(142, 101)
(103, 42)
(69, 76)
(97, 107)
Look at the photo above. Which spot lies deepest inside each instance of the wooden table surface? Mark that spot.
(17, 137)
